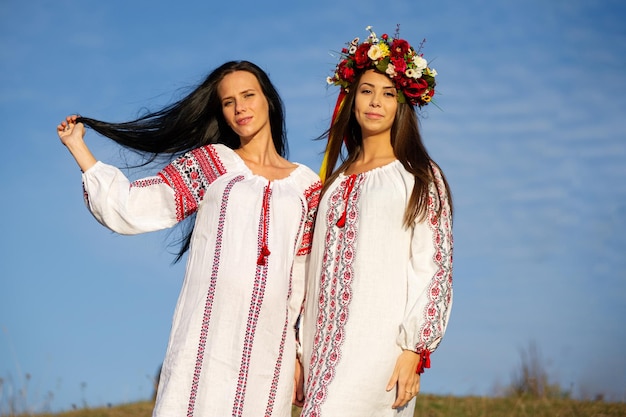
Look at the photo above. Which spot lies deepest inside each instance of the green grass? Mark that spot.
(430, 406)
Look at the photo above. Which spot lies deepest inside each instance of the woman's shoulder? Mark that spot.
(306, 172)
(220, 155)
(435, 175)
(436, 169)
(220, 149)
(306, 179)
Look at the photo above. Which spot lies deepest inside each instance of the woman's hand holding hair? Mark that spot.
(71, 135)
(405, 378)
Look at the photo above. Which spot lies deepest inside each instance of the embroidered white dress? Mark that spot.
(374, 288)
(231, 350)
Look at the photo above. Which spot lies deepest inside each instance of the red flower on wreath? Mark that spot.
(415, 88)
(345, 72)
(399, 64)
(360, 56)
(399, 48)
(402, 82)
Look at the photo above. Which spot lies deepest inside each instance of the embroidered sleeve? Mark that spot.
(190, 175)
(430, 274)
(152, 203)
(143, 206)
(312, 195)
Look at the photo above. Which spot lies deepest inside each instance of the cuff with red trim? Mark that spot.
(424, 361)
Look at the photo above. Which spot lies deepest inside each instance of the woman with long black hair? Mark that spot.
(231, 349)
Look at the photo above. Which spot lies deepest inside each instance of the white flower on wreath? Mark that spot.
(375, 53)
(391, 70)
(372, 36)
(420, 63)
(329, 80)
(352, 50)
(411, 73)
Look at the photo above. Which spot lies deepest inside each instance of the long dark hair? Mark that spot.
(193, 121)
(345, 142)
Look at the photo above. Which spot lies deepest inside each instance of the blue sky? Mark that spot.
(530, 132)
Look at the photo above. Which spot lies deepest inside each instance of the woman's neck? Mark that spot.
(376, 151)
(261, 157)
(260, 151)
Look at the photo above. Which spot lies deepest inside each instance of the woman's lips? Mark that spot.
(243, 121)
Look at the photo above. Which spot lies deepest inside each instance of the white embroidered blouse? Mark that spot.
(375, 288)
(231, 349)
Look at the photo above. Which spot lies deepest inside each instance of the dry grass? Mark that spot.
(436, 406)
(430, 406)
(141, 409)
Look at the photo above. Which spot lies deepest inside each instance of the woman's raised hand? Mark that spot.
(69, 131)
(71, 135)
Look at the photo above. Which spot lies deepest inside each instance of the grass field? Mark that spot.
(430, 406)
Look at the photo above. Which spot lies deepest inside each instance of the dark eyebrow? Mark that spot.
(372, 85)
(241, 92)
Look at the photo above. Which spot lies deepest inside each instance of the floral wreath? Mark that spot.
(394, 57)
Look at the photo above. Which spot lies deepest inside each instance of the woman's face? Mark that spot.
(375, 104)
(244, 105)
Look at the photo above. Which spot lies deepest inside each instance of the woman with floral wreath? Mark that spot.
(379, 287)
(231, 349)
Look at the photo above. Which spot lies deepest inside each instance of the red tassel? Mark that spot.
(424, 361)
(346, 194)
(342, 220)
(265, 252)
(266, 208)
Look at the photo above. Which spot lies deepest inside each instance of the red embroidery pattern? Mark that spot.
(279, 362)
(190, 175)
(258, 292)
(147, 182)
(440, 288)
(312, 196)
(208, 306)
(335, 293)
